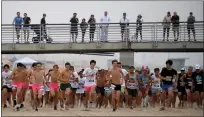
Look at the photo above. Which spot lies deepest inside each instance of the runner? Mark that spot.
(19, 77)
(144, 81)
(80, 90)
(6, 87)
(156, 87)
(167, 76)
(115, 74)
(188, 85)
(90, 83)
(198, 82)
(132, 86)
(74, 85)
(65, 86)
(54, 88)
(48, 96)
(108, 92)
(181, 88)
(124, 92)
(38, 79)
(100, 80)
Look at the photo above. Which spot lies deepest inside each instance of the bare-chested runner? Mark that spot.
(38, 79)
(115, 74)
(100, 84)
(18, 76)
(65, 86)
(54, 87)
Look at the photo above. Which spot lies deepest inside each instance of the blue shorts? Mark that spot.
(166, 86)
(154, 90)
(26, 28)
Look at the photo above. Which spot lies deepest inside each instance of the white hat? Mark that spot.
(197, 66)
(182, 69)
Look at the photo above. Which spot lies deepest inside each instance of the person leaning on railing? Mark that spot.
(18, 21)
(74, 27)
(139, 26)
(92, 28)
(105, 20)
(26, 27)
(124, 23)
(175, 25)
(83, 27)
(190, 26)
(166, 25)
(43, 27)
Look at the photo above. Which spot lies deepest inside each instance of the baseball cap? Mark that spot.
(197, 66)
(182, 69)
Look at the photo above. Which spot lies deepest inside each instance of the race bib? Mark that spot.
(132, 85)
(156, 86)
(112, 86)
(71, 81)
(74, 85)
(189, 83)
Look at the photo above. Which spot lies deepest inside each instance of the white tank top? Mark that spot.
(156, 85)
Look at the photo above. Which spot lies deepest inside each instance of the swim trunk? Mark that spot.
(25, 86)
(54, 86)
(9, 89)
(116, 87)
(100, 90)
(18, 85)
(88, 88)
(38, 87)
(132, 92)
(166, 87)
(63, 87)
(30, 86)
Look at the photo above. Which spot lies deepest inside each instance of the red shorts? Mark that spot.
(25, 86)
(88, 88)
(54, 86)
(18, 85)
(37, 87)
(144, 90)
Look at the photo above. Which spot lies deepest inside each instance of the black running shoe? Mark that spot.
(114, 110)
(36, 109)
(55, 107)
(14, 103)
(17, 108)
(21, 106)
(5, 106)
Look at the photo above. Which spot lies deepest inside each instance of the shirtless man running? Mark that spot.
(19, 76)
(38, 79)
(115, 74)
(65, 86)
(54, 88)
(100, 83)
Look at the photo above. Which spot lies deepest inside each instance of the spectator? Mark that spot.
(139, 26)
(190, 26)
(18, 21)
(166, 25)
(92, 28)
(124, 23)
(175, 25)
(83, 27)
(105, 20)
(26, 27)
(74, 26)
(43, 27)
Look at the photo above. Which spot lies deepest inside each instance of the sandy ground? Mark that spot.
(102, 112)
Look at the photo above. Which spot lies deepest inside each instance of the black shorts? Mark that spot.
(6, 87)
(100, 90)
(117, 87)
(132, 92)
(199, 88)
(74, 30)
(73, 89)
(182, 90)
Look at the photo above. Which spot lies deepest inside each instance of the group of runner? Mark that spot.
(94, 88)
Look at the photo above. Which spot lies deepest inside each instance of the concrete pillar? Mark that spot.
(127, 59)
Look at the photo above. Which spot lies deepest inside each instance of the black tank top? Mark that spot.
(188, 81)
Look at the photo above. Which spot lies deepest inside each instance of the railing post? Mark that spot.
(13, 45)
(98, 34)
(184, 26)
(41, 30)
(126, 35)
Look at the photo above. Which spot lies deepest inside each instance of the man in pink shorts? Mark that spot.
(54, 87)
(37, 78)
(90, 82)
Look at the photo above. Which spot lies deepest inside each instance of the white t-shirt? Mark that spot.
(122, 20)
(71, 80)
(122, 79)
(6, 80)
(105, 19)
(81, 85)
(156, 85)
(90, 80)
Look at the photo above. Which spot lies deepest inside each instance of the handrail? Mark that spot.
(61, 33)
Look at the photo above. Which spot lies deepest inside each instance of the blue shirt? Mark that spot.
(18, 21)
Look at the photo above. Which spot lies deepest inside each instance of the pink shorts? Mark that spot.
(25, 86)
(54, 86)
(17, 85)
(37, 87)
(88, 88)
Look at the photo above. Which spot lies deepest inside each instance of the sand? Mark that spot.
(103, 112)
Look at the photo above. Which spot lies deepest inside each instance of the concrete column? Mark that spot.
(127, 59)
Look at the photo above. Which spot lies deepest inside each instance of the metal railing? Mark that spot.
(61, 33)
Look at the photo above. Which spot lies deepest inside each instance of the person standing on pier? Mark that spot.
(74, 27)
(105, 20)
(92, 28)
(18, 21)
